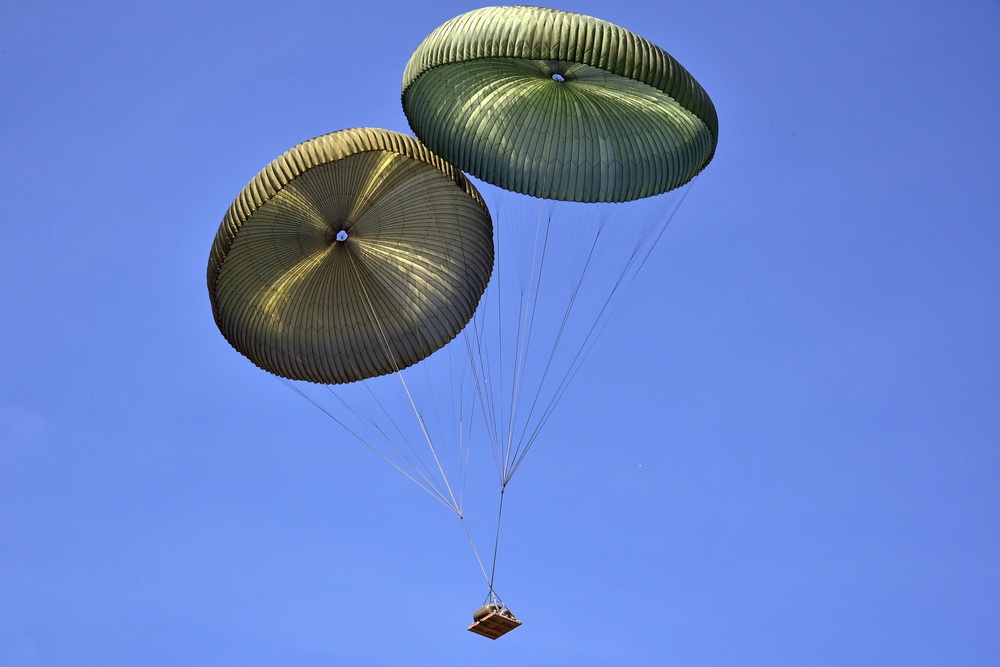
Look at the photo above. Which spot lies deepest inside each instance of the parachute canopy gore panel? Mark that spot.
(558, 105)
(352, 255)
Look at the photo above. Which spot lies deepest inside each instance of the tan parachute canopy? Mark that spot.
(352, 255)
(558, 105)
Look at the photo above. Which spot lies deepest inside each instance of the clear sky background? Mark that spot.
(807, 370)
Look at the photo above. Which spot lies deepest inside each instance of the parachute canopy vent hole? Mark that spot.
(556, 76)
(342, 235)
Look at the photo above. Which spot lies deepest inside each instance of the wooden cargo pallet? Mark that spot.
(495, 625)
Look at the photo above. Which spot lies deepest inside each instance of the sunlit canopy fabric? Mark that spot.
(350, 256)
(558, 105)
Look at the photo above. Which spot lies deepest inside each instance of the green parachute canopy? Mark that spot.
(558, 105)
(352, 255)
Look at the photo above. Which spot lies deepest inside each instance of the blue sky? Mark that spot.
(807, 370)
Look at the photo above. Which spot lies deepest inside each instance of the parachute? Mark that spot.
(558, 105)
(589, 125)
(365, 263)
(350, 256)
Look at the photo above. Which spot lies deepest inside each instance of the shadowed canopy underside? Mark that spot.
(352, 255)
(558, 105)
